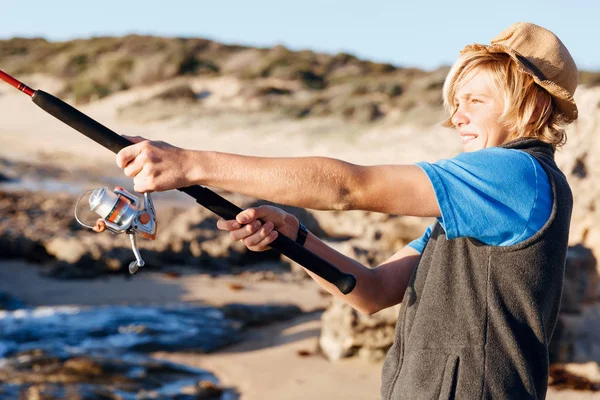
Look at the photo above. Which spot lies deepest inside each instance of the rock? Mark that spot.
(27, 219)
(38, 374)
(369, 238)
(346, 332)
(589, 370)
(574, 377)
(4, 178)
(68, 249)
(8, 302)
(579, 159)
(203, 390)
(13, 245)
(383, 231)
(257, 315)
(40, 228)
(577, 336)
(581, 279)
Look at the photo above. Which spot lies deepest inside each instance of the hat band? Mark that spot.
(539, 74)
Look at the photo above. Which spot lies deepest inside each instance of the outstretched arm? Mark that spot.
(321, 183)
(309, 182)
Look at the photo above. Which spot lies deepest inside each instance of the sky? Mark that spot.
(415, 33)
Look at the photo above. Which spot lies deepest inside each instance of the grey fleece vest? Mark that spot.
(476, 320)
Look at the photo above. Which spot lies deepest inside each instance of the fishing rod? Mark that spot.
(144, 214)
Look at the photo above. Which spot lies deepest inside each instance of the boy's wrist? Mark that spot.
(197, 171)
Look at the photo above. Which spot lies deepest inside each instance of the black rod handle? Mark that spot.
(225, 209)
(79, 121)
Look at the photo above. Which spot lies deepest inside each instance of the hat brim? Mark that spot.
(564, 100)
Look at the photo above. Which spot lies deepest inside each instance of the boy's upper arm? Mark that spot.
(395, 189)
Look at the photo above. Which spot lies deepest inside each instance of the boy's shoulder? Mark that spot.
(501, 160)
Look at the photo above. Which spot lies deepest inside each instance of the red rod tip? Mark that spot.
(17, 84)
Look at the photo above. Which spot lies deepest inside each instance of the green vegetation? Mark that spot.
(589, 78)
(314, 84)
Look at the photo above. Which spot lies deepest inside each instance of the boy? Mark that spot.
(481, 288)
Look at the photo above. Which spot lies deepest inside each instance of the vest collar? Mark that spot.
(529, 143)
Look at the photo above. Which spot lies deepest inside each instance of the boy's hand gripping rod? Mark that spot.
(99, 133)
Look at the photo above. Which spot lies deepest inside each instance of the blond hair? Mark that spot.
(529, 110)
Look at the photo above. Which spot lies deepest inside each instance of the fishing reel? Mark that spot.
(122, 212)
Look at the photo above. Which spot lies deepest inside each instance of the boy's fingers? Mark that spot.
(259, 235)
(245, 231)
(134, 139)
(222, 224)
(246, 216)
(251, 214)
(133, 168)
(264, 243)
(253, 227)
(126, 154)
(228, 225)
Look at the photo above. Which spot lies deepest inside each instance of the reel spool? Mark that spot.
(122, 212)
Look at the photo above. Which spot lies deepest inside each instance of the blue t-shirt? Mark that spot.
(498, 196)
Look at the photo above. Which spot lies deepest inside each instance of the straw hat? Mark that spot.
(539, 53)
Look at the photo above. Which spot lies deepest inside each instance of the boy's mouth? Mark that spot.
(467, 137)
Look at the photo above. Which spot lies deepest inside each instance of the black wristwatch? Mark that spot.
(302, 233)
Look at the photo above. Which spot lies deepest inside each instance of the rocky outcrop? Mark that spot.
(346, 332)
(579, 159)
(35, 374)
(40, 227)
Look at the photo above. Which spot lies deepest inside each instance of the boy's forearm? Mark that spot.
(309, 182)
(367, 296)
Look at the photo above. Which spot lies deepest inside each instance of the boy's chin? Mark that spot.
(471, 146)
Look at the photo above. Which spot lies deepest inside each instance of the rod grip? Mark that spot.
(222, 207)
(79, 121)
(225, 209)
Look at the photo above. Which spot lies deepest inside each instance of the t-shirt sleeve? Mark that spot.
(498, 196)
(419, 244)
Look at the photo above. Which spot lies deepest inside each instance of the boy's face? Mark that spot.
(478, 107)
